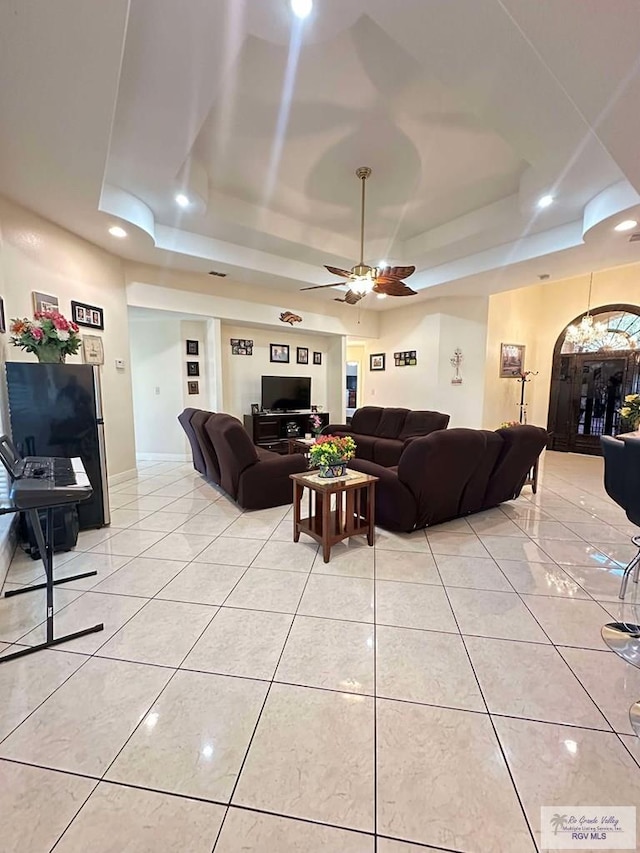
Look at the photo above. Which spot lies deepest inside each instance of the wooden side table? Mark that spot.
(300, 445)
(354, 513)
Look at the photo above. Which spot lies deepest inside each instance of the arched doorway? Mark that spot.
(589, 383)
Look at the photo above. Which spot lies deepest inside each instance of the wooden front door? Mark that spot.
(587, 392)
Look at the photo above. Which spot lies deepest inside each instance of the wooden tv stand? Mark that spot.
(269, 429)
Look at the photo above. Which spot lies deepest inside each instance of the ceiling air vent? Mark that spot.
(634, 238)
(219, 274)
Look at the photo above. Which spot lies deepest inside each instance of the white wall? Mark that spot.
(37, 255)
(241, 374)
(536, 316)
(156, 359)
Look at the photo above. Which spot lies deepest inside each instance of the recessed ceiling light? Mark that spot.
(625, 225)
(117, 231)
(301, 8)
(182, 200)
(545, 201)
(381, 295)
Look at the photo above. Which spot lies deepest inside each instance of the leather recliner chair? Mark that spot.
(184, 419)
(451, 473)
(254, 477)
(212, 466)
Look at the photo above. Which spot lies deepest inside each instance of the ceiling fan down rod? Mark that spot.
(363, 173)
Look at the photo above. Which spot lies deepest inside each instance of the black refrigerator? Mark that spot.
(56, 410)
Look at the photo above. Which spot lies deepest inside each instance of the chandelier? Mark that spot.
(587, 331)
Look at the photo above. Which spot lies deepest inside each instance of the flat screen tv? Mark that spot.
(286, 393)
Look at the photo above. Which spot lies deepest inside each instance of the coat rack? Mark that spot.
(522, 379)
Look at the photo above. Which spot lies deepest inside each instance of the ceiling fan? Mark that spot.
(363, 279)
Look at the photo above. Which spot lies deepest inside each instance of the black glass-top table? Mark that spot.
(44, 539)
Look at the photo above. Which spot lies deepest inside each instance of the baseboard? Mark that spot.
(116, 479)
(163, 457)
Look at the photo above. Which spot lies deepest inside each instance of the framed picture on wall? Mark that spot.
(87, 315)
(279, 353)
(317, 358)
(44, 302)
(193, 368)
(302, 355)
(377, 361)
(193, 388)
(511, 360)
(192, 348)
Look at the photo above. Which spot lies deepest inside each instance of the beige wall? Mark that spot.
(37, 255)
(536, 316)
(434, 329)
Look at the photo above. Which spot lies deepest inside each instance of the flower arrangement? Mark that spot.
(630, 412)
(330, 453)
(49, 335)
(316, 424)
(506, 424)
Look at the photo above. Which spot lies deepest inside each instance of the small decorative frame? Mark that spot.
(279, 353)
(255, 408)
(193, 388)
(3, 322)
(302, 355)
(511, 360)
(377, 361)
(44, 302)
(241, 346)
(87, 315)
(193, 348)
(317, 358)
(193, 368)
(92, 349)
(408, 358)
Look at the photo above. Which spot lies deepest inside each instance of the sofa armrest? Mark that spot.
(395, 505)
(332, 428)
(267, 483)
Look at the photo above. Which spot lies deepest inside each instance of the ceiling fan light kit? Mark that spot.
(363, 279)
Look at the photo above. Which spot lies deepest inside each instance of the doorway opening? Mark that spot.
(589, 383)
(353, 369)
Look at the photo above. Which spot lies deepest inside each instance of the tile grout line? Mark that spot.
(264, 703)
(488, 714)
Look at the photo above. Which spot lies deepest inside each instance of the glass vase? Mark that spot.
(50, 355)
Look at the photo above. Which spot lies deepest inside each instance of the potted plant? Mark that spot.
(630, 412)
(49, 335)
(316, 424)
(330, 453)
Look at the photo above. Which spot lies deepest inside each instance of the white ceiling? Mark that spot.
(467, 111)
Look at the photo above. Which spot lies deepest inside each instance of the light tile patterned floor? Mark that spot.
(429, 694)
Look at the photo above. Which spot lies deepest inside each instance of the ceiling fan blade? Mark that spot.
(396, 272)
(320, 286)
(338, 271)
(393, 287)
(350, 298)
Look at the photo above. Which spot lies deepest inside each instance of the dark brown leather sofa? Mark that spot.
(452, 473)
(184, 418)
(253, 477)
(382, 434)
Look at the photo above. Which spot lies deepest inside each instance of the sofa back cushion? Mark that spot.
(212, 466)
(422, 423)
(391, 423)
(476, 489)
(184, 418)
(437, 468)
(365, 420)
(521, 446)
(235, 450)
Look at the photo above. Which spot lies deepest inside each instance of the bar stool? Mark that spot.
(621, 481)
